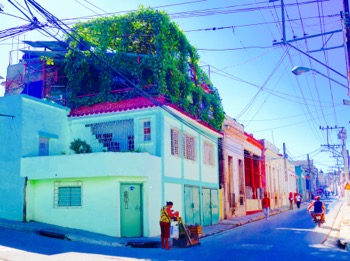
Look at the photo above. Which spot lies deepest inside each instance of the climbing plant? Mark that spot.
(143, 49)
(80, 146)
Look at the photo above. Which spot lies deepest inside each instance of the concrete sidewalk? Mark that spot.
(344, 229)
(224, 225)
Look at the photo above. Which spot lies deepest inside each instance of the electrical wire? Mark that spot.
(32, 1)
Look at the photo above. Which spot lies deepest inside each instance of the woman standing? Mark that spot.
(166, 214)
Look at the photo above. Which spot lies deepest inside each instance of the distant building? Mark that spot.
(254, 173)
(232, 180)
(275, 175)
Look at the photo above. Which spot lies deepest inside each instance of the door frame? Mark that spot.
(141, 202)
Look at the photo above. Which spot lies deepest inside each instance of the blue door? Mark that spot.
(131, 210)
(210, 206)
(192, 208)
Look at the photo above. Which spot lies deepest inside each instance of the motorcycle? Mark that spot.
(318, 219)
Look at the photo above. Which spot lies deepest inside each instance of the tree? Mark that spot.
(151, 52)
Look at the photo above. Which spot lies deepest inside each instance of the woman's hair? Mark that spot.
(168, 203)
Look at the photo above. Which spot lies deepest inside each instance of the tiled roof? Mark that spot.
(130, 104)
(107, 107)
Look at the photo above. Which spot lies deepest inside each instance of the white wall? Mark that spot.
(19, 137)
(101, 175)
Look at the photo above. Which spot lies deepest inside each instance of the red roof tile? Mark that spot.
(130, 104)
(107, 107)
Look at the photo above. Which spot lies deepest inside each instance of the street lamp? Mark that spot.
(297, 70)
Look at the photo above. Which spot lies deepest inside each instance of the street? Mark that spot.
(290, 235)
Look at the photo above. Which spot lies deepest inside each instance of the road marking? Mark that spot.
(250, 246)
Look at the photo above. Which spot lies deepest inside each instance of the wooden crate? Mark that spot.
(195, 230)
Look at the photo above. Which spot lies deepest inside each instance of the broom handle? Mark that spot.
(186, 231)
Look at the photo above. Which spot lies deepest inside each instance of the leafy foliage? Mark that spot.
(79, 146)
(147, 50)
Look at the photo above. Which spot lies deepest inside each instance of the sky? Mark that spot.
(241, 47)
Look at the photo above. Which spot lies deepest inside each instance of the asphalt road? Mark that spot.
(290, 235)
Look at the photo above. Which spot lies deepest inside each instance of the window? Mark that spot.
(189, 148)
(68, 194)
(131, 145)
(175, 142)
(146, 130)
(208, 154)
(43, 146)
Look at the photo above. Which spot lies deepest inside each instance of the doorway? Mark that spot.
(131, 210)
(210, 206)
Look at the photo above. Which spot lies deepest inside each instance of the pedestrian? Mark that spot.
(298, 200)
(166, 215)
(266, 206)
(291, 199)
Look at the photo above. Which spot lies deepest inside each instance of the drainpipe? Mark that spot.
(25, 199)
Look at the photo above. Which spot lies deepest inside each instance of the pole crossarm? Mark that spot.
(325, 65)
(308, 37)
(326, 49)
(6, 115)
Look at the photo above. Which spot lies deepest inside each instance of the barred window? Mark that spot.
(146, 130)
(68, 194)
(175, 142)
(208, 154)
(131, 144)
(189, 147)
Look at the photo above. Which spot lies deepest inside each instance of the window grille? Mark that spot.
(208, 154)
(113, 136)
(146, 130)
(241, 177)
(131, 144)
(175, 142)
(189, 149)
(68, 194)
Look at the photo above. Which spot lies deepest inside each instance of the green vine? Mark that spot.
(147, 49)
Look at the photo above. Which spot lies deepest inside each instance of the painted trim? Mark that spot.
(47, 135)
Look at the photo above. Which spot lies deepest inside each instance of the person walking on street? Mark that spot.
(298, 200)
(266, 206)
(166, 215)
(291, 199)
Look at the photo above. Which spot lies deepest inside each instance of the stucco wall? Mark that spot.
(80, 128)
(101, 175)
(174, 192)
(19, 137)
(192, 170)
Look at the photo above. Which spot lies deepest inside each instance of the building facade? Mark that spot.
(232, 180)
(141, 156)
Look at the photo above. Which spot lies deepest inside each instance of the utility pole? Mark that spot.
(342, 136)
(309, 174)
(285, 169)
(346, 29)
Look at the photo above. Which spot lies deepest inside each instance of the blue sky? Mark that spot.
(235, 40)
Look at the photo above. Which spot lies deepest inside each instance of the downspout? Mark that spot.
(25, 199)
